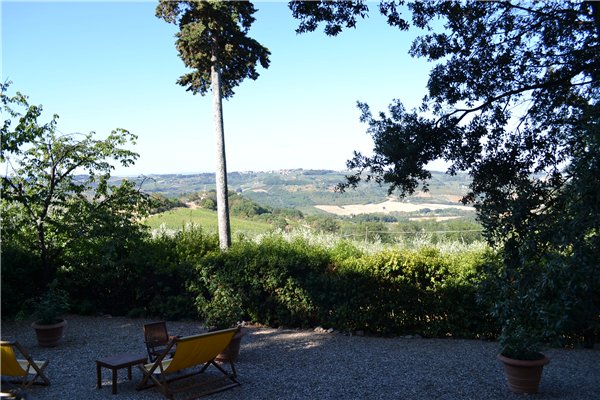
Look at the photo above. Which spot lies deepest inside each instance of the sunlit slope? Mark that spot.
(179, 217)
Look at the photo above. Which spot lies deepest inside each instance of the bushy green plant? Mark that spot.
(18, 262)
(51, 305)
(148, 275)
(223, 309)
(345, 249)
(209, 203)
(296, 283)
(527, 303)
(281, 281)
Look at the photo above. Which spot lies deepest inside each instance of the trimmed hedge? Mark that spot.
(393, 292)
(278, 283)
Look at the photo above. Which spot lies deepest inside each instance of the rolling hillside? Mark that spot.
(305, 189)
(180, 217)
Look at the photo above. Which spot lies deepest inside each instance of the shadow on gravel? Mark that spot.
(300, 364)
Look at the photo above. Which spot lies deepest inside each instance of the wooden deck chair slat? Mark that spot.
(192, 352)
(156, 338)
(198, 349)
(28, 370)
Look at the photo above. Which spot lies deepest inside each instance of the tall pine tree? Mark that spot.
(213, 42)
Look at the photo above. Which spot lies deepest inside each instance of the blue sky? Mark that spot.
(107, 65)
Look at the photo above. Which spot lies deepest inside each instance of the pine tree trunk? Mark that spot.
(221, 172)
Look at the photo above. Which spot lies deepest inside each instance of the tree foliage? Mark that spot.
(512, 100)
(218, 28)
(56, 190)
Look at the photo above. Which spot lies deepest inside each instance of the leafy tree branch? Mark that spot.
(50, 177)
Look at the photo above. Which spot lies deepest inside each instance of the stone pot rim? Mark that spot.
(523, 363)
(38, 324)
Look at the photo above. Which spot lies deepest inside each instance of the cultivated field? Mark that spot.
(180, 217)
(387, 207)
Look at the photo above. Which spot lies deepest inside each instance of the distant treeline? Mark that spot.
(295, 188)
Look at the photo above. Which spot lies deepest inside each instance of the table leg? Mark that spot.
(114, 381)
(98, 376)
(129, 372)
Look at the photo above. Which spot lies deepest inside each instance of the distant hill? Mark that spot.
(303, 189)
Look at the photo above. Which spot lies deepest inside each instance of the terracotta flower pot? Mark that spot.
(523, 376)
(232, 351)
(49, 335)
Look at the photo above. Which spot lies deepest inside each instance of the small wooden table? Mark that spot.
(115, 363)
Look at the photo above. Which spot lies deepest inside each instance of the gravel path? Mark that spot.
(294, 364)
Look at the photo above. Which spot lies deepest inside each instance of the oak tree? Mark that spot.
(512, 99)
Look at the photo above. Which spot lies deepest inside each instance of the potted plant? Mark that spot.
(49, 325)
(520, 354)
(223, 310)
(526, 311)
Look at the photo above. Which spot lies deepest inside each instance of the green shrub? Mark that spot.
(281, 282)
(19, 264)
(269, 277)
(294, 283)
(148, 276)
(209, 204)
(223, 309)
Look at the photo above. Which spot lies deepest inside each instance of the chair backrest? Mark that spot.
(156, 334)
(9, 366)
(199, 349)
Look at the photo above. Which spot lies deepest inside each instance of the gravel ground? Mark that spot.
(300, 364)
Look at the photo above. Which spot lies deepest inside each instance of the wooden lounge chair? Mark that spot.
(25, 372)
(193, 355)
(156, 338)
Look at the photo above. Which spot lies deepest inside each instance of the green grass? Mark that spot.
(179, 217)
